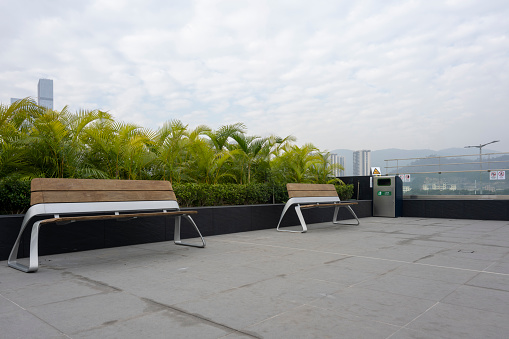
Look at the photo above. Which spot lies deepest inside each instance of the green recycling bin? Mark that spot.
(387, 196)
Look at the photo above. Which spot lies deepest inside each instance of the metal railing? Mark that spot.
(444, 175)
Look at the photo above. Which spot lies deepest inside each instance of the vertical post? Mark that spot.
(480, 172)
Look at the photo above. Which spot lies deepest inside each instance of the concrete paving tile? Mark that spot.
(410, 286)
(395, 309)
(346, 276)
(456, 322)
(12, 279)
(76, 259)
(162, 324)
(313, 322)
(177, 291)
(22, 324)
(456, 276)
(290, 288)
(233, 278)
(478, 252)
(490, 280)
(80, 314)
(237, 308)
(406, 333)
(499, 267)
(408, 253)
(40, 294)
(263, 278)
(480, 298)
(279, 266)
(447, 260)
(7, 306)
(368, 264)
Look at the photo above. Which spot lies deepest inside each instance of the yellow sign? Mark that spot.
(375, 171)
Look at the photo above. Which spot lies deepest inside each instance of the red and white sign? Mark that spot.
(405, 177)
(497, 175)
(501, 175)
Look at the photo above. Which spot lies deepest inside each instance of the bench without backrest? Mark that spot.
(311, 196)
(95, 199)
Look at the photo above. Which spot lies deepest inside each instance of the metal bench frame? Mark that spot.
(304, 202)
(55, 210)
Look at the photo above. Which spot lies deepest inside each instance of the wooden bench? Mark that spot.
(62, 201)
(311, 196)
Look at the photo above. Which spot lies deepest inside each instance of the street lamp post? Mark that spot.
(480, 160)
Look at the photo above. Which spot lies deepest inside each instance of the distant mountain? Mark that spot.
(378, 157)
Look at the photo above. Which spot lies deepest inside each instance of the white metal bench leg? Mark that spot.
(301, 220)
(34, 251)
(177, 232)
(335, 218)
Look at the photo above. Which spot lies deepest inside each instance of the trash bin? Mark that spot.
(387, 196)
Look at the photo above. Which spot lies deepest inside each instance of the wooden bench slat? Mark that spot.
(310, 187)
(300, 194)
(63, 184)
(328, 205)
(113, 216)
(99, 196)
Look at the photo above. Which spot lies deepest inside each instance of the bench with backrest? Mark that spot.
(62, 201)
(313, 196)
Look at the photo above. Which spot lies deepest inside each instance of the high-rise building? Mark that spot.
(45, 93)
(342, 163)
(338, 160)
(362, 162)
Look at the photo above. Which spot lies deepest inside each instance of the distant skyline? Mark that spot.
(339, 74)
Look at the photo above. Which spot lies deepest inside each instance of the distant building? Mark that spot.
(342, 163)
(337, 160)
(13, 100)
(361, 162)
(45, 93)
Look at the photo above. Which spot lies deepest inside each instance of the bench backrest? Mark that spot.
(57, 190)
(311, 190)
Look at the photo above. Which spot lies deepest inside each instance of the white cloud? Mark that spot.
(339, 74)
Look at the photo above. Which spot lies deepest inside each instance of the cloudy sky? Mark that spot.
(337, 73)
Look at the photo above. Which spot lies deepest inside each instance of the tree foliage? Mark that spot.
(38, 142)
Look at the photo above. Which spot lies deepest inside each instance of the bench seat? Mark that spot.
(62, 201)
(314, 196)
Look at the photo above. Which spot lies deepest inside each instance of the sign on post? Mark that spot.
(376, 171)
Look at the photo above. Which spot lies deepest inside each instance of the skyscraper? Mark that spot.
(362, 162)
(45, 93)
(339, 160)
(342, 163)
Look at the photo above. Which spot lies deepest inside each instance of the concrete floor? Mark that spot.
(387, 278)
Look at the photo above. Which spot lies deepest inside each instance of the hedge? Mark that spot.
(15, 194)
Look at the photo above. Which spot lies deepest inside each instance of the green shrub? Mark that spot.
(193, 195)
(345, 192)
(14, 196)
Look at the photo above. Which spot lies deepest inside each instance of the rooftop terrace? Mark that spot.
(387, 278)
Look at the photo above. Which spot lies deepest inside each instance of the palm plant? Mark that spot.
(295, 164)
(14, 123)
(253, 151)
(172, 149)
(54, 143)
(207, 165)
(322, 171)
(122, 150)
